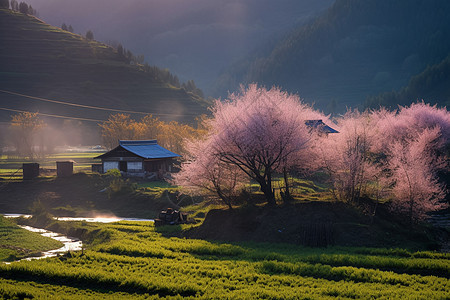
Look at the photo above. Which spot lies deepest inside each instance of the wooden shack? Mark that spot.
(64, 168)
(30, 170)
(320, 127)
(139, 158)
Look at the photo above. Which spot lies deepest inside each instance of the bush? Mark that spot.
(113, 173)
(41, 216)
(120, 186)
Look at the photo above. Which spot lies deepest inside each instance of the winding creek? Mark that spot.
(70, 244)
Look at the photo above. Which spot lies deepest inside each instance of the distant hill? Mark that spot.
(432, 86)
(40, 60)
(195, 39)
(356, 49)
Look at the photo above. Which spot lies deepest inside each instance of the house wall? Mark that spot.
(109, 165)
(158, 165)
(134, 165)
(138, 167)
(125, 164)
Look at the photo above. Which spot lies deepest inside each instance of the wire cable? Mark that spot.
(90, 106)
(50, 115)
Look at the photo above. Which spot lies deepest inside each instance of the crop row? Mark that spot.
(135, 261)
(150, 244)
(195, 277)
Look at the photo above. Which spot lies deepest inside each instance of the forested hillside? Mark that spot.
(40, 60)
(356, 49)
(195, 39)
(432, 85)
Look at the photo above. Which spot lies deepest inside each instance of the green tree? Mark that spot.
(64, 26)
(14, 5)
(120, 51)
(89, 35)
(4, 4)
(23, 8)
(70, 29)
(31, 11)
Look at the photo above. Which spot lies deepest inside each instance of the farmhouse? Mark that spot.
(139, 159)
(320, 126)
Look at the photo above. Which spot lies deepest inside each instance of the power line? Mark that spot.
(90, 106)
(69, 103)
(50, 115)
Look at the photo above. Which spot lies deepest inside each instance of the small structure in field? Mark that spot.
(171, 217)
(144, 159)
(320, 126)
(64, 168)
(30, 170)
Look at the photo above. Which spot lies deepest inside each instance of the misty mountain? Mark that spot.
(40, 60)
(357, 48)
(432, 86)
(195, 39)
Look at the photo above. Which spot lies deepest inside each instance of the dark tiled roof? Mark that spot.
(321, 126)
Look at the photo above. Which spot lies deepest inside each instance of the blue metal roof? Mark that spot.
(147, 149)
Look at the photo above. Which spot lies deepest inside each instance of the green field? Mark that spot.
(11, 167)
(16, 243)
(135, 260)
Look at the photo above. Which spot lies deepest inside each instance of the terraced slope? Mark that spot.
(44, 61)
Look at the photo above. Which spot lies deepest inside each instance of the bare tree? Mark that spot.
(24, 127)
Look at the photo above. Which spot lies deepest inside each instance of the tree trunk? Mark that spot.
(225, 199)
(287, 193)
(267, 190)
(411, 204)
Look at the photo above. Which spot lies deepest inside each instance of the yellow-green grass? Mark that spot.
(133, 260)
(16, 243)
(74, 155)
(156, 188)
(301, 190)
(12, 165)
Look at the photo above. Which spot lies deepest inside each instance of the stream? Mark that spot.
(70, 244)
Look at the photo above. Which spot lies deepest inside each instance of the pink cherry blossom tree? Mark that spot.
(258, 132)
(203, 173)
(414, 164)
(413, 140)
(348, 158)
(409, 121)
(390, 154)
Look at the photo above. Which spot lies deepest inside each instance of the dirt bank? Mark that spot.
(313, 224)
(79, 195)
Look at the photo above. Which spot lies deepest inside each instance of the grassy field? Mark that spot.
(11, 167)
(135, 260)
(16, 243)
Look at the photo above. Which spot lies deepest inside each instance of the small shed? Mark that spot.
(30, 170)
(64, 168)
(139, 158)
